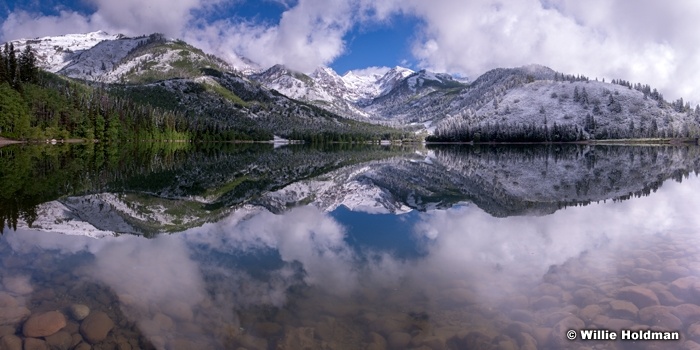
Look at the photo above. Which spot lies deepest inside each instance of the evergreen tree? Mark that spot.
(3, 68)
(653, 131)
(631, 128)
(27, 65)
(584, 96)
(11, 64)
(14, 115)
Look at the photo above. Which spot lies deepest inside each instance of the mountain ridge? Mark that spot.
(400, 97)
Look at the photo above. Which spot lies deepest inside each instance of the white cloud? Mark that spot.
(136, 17)
(305, 235)
(369, 71)
(308, 35)
(21, 24)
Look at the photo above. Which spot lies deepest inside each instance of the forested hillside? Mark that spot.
(192, 103)
(36, 105)
(568, 108)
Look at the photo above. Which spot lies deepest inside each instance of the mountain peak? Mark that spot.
(402, 70)
(326, 73)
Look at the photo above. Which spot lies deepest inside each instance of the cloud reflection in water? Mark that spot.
(193, 280)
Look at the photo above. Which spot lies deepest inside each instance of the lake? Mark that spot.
(224, 246)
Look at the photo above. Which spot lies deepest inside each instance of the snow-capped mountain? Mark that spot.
(99, 56)
(53, 53)
(324, 88)
(345, 95)
(398, 96)
(378, 94)
(366, 86)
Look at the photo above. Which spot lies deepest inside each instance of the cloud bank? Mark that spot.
(642, 41)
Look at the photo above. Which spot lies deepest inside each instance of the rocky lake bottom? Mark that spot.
(651, 283)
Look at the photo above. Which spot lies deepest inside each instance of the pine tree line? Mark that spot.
(36, 105)
(15, 70)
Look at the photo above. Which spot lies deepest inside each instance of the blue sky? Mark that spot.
(653, 42)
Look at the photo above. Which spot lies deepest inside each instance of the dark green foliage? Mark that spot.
(11, 65)
(14, 114)
(27, 66)
(64, 109)
(39, 105)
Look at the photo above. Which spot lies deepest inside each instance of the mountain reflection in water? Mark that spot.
(290, 271)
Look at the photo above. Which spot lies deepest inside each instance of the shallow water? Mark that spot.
(314, 263)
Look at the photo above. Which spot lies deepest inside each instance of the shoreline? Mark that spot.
(6, 142)
(650, 141)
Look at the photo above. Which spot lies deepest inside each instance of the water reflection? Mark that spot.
(151, 188)
(309, 277)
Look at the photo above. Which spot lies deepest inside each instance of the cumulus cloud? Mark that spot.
(22, 24)
(308, 35)
(130, 17)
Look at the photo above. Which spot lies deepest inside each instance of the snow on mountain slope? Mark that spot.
(292, 84)
(324, 88)
(349, 187)
(366, 86)
(53, 53)
(393, 78)
(56, 217)
(99, 56)
(346, 95)
(599, 110)
(97, 62)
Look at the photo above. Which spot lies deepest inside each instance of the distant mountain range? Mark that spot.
(534, 96)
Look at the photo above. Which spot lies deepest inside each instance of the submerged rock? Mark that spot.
(17, 285)
(7, 300)
(623, 309)
(96, 326)
(684, 287)
(79, 311)
(43, 325)
(13, 315)
(298, 338)
(61, 340)
(11, 342)
(639, 296)
(35, 344)
(660, 316)
(558, 338)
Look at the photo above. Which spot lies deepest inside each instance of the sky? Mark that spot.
(646, 41)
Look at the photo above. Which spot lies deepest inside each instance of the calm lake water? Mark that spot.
(347, 247)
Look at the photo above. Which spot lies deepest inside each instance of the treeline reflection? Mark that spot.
(509, 180)
(217, 174)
